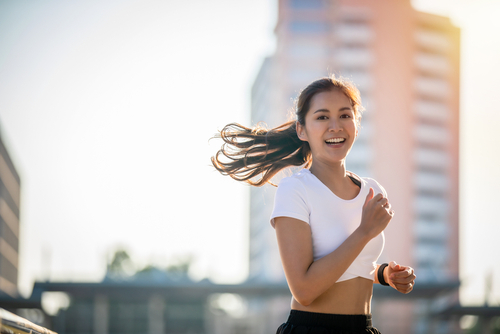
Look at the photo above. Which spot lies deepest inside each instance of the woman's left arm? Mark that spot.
(401, 278)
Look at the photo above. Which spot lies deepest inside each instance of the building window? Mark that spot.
(305, 75)
(436, 159)
(433, 65)
(432, 41)
(307, 4)
(432, 135)
(359, 58)
(307, 50)
(309, 27)
(432, 88)
(431, 183)
(354, 34)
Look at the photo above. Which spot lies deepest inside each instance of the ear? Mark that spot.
(301, 132)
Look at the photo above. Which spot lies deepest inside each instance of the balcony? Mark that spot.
(431, 158)
(354, 34)
(432, 64)
(432, 135)
(432, 111)
(432, 41)
(431, 87)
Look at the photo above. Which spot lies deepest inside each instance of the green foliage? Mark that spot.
(122, 267)
(180, 267)
(483, 324)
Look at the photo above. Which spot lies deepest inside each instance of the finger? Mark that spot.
(404, 288)
(404, 274)
(382, 201)
(369, 196)
(406, 271)
(393, 270)
(379, 197)
(402, 271)
(401, 287)
(403, 280)
(393, 265)
(409, 288)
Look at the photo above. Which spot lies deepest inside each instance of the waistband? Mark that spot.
(349, 322)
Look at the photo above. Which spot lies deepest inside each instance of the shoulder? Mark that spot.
(291, 199)
(298, 180)
(377, 187)
(291, 186)
(370, 183)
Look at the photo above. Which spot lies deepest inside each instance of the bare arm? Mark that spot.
(308, 279)
(401, 278)
(376, 281)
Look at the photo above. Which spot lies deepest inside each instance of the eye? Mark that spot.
(345, 116)
(322, 117)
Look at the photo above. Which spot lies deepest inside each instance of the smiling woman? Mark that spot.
(329, 222)
(256, 151)
(332, 121)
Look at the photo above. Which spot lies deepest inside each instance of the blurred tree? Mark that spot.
(180, 267)
(177, 270)
(121, 265)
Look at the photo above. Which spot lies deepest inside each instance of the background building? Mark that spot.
(9, 223)
(156, 304)
(406, 66)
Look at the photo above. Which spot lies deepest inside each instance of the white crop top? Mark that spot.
(332, 219)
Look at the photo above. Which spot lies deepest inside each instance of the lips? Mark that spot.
(335, 141)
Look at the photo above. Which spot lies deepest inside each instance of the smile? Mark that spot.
(335, 140)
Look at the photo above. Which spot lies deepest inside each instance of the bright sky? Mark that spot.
(106, 109)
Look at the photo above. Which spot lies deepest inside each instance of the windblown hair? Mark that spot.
(250, 152)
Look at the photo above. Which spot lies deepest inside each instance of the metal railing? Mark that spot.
(14, 324)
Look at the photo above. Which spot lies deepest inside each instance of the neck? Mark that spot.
(336, 179)
(329, 173)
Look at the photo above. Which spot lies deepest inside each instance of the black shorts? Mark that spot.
(300, 322)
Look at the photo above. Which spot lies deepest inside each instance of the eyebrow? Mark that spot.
(326, 110)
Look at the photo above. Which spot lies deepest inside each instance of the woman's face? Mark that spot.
(330, 126)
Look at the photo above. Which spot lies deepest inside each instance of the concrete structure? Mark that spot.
(406, 65)
(9, 223)
(155, 306)
(11, 323)
(181, 306)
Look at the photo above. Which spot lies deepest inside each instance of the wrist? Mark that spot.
(382, 273)
(363, 234)
(386, 274)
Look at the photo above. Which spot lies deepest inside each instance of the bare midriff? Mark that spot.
(347, 297)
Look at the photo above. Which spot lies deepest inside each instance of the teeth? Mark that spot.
(335, 140)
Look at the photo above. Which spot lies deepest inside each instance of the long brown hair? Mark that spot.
(257, 151)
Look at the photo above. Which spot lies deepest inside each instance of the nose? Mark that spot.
(335, 125)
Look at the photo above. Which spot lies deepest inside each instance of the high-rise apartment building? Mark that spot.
(9, 223)
(406, 66)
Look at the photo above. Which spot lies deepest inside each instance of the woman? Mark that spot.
(329, 222)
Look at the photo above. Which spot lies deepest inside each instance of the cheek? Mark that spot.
(353, 128)
(314, 132)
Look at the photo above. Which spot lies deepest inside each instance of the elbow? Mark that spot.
(304, 297)
(303, 301)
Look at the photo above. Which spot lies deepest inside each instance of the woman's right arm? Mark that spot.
(308, 279)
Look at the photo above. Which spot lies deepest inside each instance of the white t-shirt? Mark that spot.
(332, 219)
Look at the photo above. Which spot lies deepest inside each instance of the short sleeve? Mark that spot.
(377, 187)
(290, 201)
